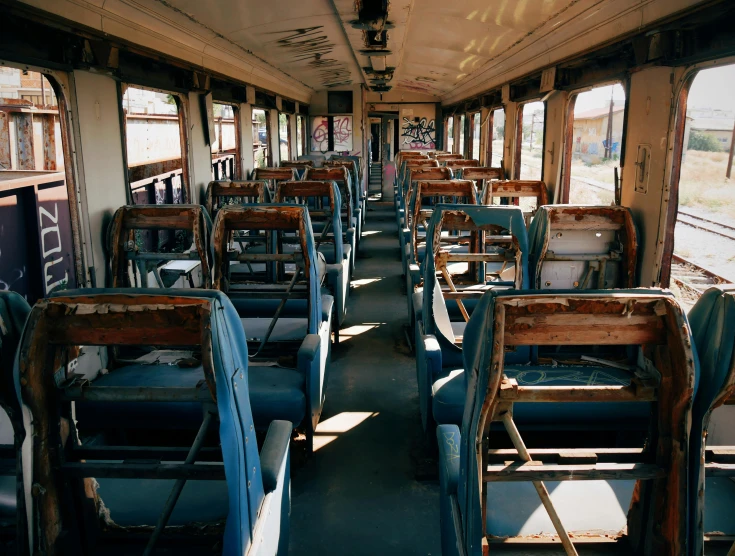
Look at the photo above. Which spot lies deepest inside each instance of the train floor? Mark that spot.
(359, 494)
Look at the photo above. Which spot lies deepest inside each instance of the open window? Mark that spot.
(284, 136)
(475, 121)
(449, 127)
(261, 138)
(496, 136)
(155, 142)
(530, 141)
(226, 144)
(300, 135)
(699, 245)
(593, 149)
(461, 130)
(38, 235)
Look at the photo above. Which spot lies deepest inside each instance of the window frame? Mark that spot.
(490, 135)
(288, 136)
(269, 153)
(567, 153)
(237, 170)
(68, 148)
(300, 126)
(471, 151)
(182, 110)
(462, 135)
(519, 137)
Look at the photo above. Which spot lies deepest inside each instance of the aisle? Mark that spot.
(357, 495)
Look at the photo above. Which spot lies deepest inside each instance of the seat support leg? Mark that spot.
(520, 446)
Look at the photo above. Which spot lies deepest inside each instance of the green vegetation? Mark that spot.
(699, 141)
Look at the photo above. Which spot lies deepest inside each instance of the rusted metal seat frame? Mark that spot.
(273, 176)
(58, 326)
(441, 190)
(658, 514)
(603, 218)
(244, 192)
(123, 248)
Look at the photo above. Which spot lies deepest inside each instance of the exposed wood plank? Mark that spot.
(552, 455)
(630, 393)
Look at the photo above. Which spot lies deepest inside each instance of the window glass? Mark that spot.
(460, 146)
(299, 135)
(475, 145)
(706, 194)
(153, 142)
(450, 135)
(283, 136)
(497, 135)
(36, 233)
(597, 137)
(532, 138)
(260, 138)
(224, 144)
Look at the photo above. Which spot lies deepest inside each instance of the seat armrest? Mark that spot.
(350, 235)
(328, 301)
(432, 355)
(448, 438)
(406, 235)
(414, 271)
(274, 452)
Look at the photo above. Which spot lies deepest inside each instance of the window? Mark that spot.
(331, 133)
(284, 137)
(475, 143)
(496, 131)
(530, 139)
(261, 138)
(703, 185)
(450, 134)
(154, 144)
(461, 135)
(300, 135)
(594, 147)
(225, 145)
(37, 236)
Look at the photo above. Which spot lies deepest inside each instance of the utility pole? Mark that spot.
(530, 135)
(608, 134)
(732, 151)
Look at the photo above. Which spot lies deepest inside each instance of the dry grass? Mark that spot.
(703, 183)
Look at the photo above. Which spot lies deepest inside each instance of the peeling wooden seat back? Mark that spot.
(515, 190)
(66, 519)
(440, 191)
(659, 373)
(273, 176)
(142, 237)
(267, 252)
(495, 254)
(340, 175)
(480, 175)
(457, 164)
(712, 321)
(222, 193)
(445, 157)
(323, 201)
(583, 247)
(423, 172)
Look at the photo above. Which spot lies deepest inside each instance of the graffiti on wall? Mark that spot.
(418, 134)
(342, 133)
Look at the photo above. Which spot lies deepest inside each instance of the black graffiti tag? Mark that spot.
(418, 132)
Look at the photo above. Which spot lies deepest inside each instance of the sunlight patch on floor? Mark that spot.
(338, 424)
(364, 282)
(370, 232)
(357, 329)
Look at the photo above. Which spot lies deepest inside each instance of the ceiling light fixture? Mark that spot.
(378, 63)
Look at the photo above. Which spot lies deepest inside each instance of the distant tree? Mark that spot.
(699, 141)
(500, 131)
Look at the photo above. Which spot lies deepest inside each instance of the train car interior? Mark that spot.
(367, 277)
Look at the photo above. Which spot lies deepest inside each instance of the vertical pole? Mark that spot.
(732, 151)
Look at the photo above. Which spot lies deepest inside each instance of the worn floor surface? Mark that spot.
(358, 494)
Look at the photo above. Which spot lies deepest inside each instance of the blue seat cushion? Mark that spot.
(145, 415)
(449, 392)
(276, 393)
